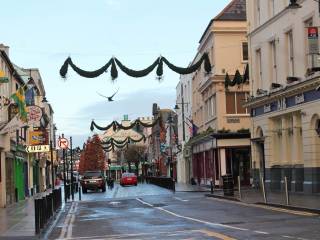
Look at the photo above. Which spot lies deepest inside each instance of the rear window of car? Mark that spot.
(128, 175)
(92, 174)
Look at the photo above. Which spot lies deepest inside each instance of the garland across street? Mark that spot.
(114, 62)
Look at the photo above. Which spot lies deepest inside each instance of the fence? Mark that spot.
(45, 206)
(277, 193)
(165, 182)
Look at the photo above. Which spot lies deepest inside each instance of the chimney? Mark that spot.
(4, 48)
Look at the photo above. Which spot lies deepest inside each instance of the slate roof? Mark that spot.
(234, 11)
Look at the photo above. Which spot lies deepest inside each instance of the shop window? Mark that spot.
(234, 102)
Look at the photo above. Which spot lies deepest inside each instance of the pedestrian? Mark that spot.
(111, 183)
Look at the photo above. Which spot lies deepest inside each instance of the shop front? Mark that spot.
(222, 154)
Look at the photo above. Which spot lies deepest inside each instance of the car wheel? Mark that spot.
(84, 190)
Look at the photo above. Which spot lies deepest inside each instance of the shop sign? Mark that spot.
(267, 108)
(36, 138)
(313, 40)
(233, 120)
(34, 114)
(39, 148)
(299, 98)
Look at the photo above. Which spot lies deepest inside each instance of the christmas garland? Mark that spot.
(114, 62)
(115, 125)
(238, 79)
(126, 140)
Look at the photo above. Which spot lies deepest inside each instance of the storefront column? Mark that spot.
(222, 160)
(2, 180)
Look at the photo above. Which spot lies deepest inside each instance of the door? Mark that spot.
(9, 181)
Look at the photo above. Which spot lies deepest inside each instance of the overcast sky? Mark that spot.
(42, 34)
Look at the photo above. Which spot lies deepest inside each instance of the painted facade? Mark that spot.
(222, 144)
(284, 98)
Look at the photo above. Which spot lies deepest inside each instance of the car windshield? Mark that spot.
(92, 174)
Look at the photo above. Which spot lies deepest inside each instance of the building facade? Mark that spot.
(284, 101)
(19, 177)
(184, 116)
(222, 144)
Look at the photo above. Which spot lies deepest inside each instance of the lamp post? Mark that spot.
(170, 121)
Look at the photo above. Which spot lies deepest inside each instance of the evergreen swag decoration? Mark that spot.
(238, 79)
(114, 62)
(115, 125)
(127, 140)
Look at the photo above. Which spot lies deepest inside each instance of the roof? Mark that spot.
(234, 11)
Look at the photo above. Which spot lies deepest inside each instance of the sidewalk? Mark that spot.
(18, 220)
(184, 187)
(296, 200)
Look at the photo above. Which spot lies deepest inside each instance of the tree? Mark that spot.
(93, 156)
(134, 154)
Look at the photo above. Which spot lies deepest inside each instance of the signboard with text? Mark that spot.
(313, 40)
(38, 148)
(34, 114)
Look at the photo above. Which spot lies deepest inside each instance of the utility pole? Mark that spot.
(183, 126)
(71, 162)
(52, 170)
(171, 154)
(64, 172)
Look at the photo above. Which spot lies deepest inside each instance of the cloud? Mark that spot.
(135, 104)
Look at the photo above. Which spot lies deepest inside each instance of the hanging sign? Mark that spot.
(34, 114)
(36, 138)
(39, 148)
(313, 40)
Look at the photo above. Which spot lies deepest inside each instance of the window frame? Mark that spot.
(236, 96)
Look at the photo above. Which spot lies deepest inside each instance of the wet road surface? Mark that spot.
(149, 212)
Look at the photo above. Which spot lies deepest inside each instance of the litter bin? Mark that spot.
(228, 185)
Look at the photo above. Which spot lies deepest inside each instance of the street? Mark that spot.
(150, 212)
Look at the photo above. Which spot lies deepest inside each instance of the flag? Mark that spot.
(193, 129)
(19, 99)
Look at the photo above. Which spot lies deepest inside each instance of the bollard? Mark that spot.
(41, 210)
(79, 193)
(173, 185)
(286, 190)
(36, 216)
(239, 188)
(263, 190)
(211, 187)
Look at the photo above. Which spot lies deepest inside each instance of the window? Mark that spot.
(234, 102)
(290, 53)
(311, 60)
(210, 108)
(245, 56)
(273, 60)
(258, 68)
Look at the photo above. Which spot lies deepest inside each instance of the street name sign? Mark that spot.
(38, 148)
(63, 143)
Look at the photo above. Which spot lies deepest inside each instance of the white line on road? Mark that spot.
(192, 219)
(69, 232)
(261, 232)
(66, 221)
(180, 199)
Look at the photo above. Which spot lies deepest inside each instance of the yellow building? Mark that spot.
(222, 145)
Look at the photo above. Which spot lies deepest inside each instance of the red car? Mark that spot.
(128, 179)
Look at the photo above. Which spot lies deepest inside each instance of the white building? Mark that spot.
(184, 104)
(284, 104)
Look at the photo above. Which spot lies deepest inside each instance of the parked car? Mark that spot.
(93, 180)
(128, 179)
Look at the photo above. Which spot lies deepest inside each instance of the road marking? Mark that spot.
(277, 209)
(215, 234)
(174, 233)
(192, 219)
(66, 221)
(288, 237)
(70, 227)
(180, 199)
(261, 232)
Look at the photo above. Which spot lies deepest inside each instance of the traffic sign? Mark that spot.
(63, 143)
(38, 148)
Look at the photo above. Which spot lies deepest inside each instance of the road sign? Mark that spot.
(38, 148)
(63, 143)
